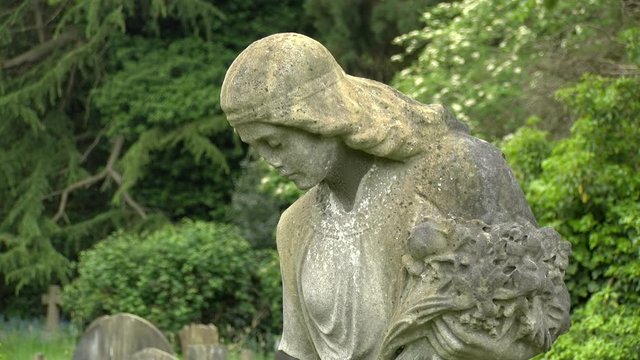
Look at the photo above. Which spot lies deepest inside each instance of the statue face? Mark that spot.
(304, 158)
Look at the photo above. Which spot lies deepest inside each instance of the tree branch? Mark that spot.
(70, 84)
(77, 185)
(115, 175)
(41, 50)
(41, 26)
(58, 11)
(39, 23)
(109, 171)
(95, 142)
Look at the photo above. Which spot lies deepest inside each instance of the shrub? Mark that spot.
(603, 329)
(588, 188)
(191, 272)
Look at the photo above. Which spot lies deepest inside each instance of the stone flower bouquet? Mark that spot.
(478, 290)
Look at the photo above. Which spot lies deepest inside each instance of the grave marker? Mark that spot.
(119, 337)
(198, 334)
(52, 299)
(247, 355)
(153, 354)
(206, 352)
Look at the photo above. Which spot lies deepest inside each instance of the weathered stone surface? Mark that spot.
(206, 352)
(198, 334)
(153, 354)
(52, 299)
(118, 337)
(414, 240)
(247, 355)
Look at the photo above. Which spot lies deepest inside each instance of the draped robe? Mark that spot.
(342, 270)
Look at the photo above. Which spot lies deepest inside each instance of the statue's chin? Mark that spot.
(301, 182)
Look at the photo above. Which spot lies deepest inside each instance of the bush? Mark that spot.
(588, 188)
(191, 272)
(260, 195)
(498, 62)
(603, 329)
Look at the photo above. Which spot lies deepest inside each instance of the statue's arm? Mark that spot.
(493, 292)
(295, 342)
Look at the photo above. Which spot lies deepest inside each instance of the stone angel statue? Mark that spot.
(413, 239)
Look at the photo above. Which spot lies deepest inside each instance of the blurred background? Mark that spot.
(121, 181)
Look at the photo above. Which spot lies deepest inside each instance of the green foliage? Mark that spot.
(255, 213)
(259, 197)
(192, 272)
(631, 39)
(589, 188)
(48, 142)
(269, 301)
(144, 74)
(249, 20)
(277, 186)
(164, 97)
(22, 339)
(359, 34)
(160, 84)
(497, 63)
(604, 329)
(525, 150)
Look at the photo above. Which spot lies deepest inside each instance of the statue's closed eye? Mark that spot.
(274, 144)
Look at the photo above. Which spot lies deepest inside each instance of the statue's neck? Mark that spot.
(345, 178)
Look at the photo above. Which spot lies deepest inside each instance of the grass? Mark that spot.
(23, 339)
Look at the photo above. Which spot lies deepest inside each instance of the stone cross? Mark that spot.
(52, 299)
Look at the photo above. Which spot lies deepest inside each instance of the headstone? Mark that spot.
(153, 354)
(413, 239)
(118, 337)
(246, 354)
(206, 352)
(52, 299)
(198, 334)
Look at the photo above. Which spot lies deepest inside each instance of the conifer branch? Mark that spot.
(57, 12)
(70, 84)
(39, 23)
(41, 50)
(115, 175)
(77, 185)
(109, 171)
(95, 143)
(41, 26)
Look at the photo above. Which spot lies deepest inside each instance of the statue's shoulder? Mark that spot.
(466, 154)
(295, 218)
(469, 178)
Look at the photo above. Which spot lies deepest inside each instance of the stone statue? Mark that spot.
(414, 240)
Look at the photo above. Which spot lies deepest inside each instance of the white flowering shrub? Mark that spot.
(497, 62)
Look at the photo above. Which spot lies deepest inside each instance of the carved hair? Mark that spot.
(292, 80)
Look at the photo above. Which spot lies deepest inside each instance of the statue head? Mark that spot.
(293, 81)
